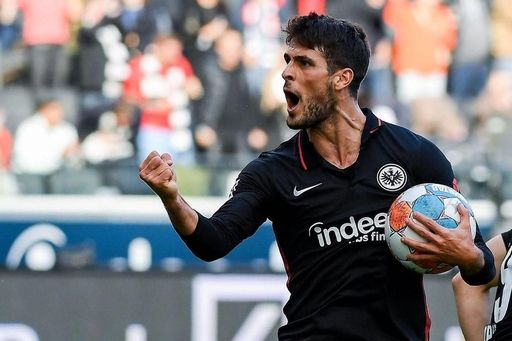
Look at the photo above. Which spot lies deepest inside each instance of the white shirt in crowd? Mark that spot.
(40, 148)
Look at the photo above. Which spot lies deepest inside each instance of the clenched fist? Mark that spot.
(158, 172)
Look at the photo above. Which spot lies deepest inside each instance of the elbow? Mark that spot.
(457, 281)
(209, 255)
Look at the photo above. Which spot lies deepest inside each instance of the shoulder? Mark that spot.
(272, 165)
(32, 122)
(405, 138)
(418, 153)
(270, 161)
(259, 176)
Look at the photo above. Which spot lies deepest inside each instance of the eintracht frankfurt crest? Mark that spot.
(391, 177)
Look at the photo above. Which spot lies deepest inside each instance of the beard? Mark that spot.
(317, 110)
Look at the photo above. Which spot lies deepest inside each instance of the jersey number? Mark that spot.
(502, 302)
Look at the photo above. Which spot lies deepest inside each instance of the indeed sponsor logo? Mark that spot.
(362, 230)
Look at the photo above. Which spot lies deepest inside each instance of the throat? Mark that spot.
(341, 157)
(341, 152)
(343, 162)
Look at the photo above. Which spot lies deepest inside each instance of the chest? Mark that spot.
(370, 184)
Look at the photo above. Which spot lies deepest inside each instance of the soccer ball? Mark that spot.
(436, 201)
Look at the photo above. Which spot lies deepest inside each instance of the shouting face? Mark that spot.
(309, 93)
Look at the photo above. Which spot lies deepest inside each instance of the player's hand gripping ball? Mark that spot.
(437, 202)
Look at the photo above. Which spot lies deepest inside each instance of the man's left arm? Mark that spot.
(457, 246)
(452, 246)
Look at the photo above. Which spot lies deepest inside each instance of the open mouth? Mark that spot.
(292, 99)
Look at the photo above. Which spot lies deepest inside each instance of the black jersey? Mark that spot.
(329, 225)
(500, 328)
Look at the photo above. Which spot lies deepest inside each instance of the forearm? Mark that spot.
(472, 309)
(183, 217)
(209, 242)
(472, 319)
(206, 240)
(235, 220)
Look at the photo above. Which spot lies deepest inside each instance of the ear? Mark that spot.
(342, 78)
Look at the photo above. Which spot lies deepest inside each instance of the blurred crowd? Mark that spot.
(90, 87)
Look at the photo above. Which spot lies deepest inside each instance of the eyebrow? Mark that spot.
(301, 58)
(305, 59)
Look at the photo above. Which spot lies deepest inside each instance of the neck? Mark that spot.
(338, 140)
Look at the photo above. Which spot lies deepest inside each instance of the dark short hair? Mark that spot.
(45, 102)
(343, 44)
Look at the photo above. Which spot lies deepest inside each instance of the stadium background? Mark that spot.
(87, 252)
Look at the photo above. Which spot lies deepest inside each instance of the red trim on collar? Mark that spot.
(376, 128)
(301, 156)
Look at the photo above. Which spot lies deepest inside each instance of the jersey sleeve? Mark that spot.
(431, 165)
(238, 218)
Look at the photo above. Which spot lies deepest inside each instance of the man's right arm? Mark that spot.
(208, 238)
(472, 302)
(158, 172)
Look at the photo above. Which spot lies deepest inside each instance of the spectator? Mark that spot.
(7, 182)
(5, 143)
(43, 144)
(424, 36)
(110, 150)
(9, 24)
(162, 83)
(262, 40)
(306, 6)
(138, 25)
(46, 33)
(501, 30)
(227, 131)
(273, 105)
(113, 140)
(470, 66)
(100, 48)
(439, 119)
(496, 98)
(493, 115)
(165, 13)
(204, 21)
(377, 88)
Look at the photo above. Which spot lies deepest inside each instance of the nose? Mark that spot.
(287, 72)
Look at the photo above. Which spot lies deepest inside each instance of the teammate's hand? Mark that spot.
(451, 246)
(158, 172)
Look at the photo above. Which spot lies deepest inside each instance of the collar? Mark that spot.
(308, 156)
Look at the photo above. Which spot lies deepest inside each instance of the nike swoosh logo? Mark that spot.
(299, 192)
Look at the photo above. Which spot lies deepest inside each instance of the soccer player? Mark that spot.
(473, 301)
(327, 191)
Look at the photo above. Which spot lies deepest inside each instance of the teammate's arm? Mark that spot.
(472, 302)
